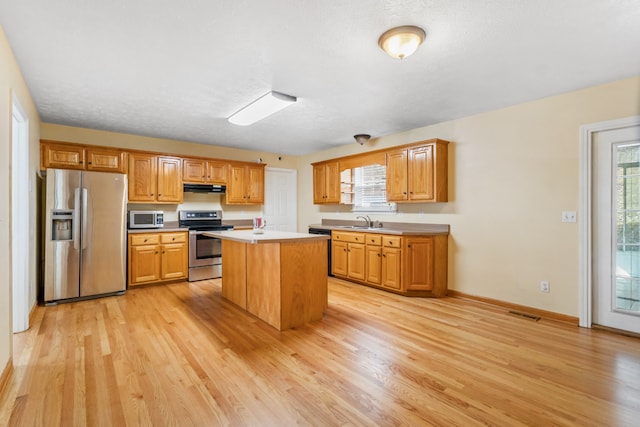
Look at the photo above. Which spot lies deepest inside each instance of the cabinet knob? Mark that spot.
(145, 240)
(159, 195)
(80, 162)
(174, 239)
(378, 255)
(89, 163)
(384, 255)
(345, 250)
(408, 246)
(156, 252)
(404, 192)
(162, 252)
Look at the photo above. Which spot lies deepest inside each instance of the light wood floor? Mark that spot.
(181, 355)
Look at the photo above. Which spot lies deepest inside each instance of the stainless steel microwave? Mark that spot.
(146, 219)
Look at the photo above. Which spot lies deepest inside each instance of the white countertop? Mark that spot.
(269, 236)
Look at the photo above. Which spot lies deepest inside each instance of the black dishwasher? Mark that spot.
(327, 232)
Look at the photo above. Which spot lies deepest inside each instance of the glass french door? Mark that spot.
(617, 229)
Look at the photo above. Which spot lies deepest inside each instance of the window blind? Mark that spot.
(370, 189)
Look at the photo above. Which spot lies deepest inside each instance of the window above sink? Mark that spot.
(370, 189)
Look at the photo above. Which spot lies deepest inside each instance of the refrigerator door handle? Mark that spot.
(76, 217)
(84, 218)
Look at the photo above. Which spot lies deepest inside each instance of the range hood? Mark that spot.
(204, 188)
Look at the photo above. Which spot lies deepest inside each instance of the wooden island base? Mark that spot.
(283, 283)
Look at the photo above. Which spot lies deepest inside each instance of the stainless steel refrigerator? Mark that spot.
(85, 234)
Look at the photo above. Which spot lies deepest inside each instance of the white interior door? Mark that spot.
(280, 205)
(616, 228)
(20, 217)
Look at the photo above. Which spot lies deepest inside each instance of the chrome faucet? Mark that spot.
(366, 219)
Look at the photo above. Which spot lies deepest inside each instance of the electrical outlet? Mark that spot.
(568, 216)
(544, 286)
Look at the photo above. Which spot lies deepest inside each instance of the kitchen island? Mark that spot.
(278, 276)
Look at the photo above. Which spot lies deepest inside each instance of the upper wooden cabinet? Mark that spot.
(70, 156)
(245, 184)
(326, 182)
(200, 171)
(415, 173)
(106, 160)
(155, 179)
(418, 173)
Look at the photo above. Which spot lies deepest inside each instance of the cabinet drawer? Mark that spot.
(144, 239)
(373, 239)
(173, 237)
(345, 236)
(391, 241)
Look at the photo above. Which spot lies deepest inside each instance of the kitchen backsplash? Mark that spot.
(200, 201)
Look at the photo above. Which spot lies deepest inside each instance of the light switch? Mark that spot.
(568, 216)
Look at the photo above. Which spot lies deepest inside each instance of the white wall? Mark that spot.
(511, 174)
(11, 81)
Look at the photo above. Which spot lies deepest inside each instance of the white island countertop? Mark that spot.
(269, 236)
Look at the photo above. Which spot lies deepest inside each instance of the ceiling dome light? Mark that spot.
(361, 138)
(401, 42)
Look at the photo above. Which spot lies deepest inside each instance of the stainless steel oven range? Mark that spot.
(205, 253)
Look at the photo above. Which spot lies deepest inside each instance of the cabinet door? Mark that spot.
(174, 260)
(194, 170)
(169, 179)
(420, 263)
(397, 175)
(319, 184)
(235, 187)
(373, 264)
(332, 183)
(144, 264)
(254, 182)
(339, 258)
(142, 178)
(217, 172)
(105, 160)
(391, 268)
(421, 173)
(62, 156)
(356, 261)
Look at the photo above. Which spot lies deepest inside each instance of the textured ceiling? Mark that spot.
(176, 69)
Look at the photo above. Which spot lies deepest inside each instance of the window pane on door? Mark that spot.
(627, 206)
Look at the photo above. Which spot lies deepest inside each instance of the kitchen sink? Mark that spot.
(357, 227)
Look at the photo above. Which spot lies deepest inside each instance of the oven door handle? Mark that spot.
(201, 232)
(197, 233)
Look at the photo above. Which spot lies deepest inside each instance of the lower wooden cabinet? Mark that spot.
(391, 265)
(409, 265)
(373, 263)
(349, 250)
(158, 257)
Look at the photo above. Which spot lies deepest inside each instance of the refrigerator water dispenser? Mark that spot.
(62, 225)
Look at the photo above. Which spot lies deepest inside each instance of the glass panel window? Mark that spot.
(370, 189)
(627, 214)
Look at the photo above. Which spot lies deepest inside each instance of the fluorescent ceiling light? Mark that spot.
(262, 107)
